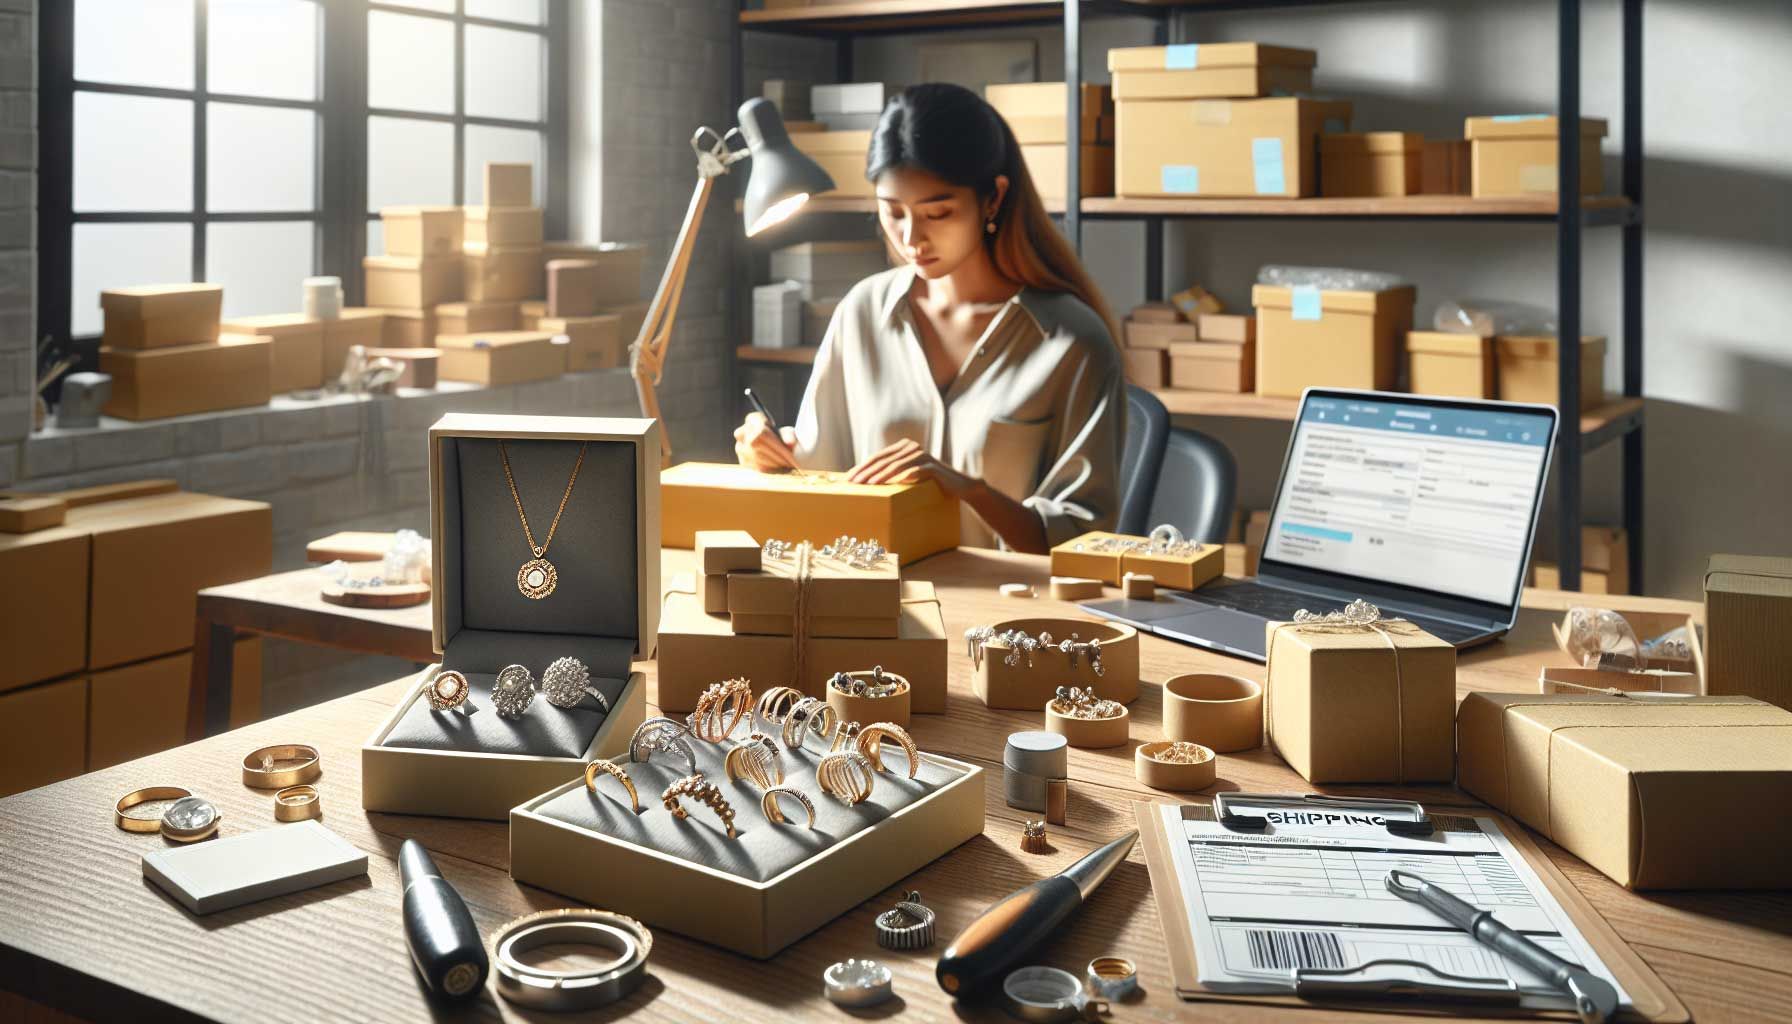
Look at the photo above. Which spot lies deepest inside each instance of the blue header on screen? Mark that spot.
(1505, 425)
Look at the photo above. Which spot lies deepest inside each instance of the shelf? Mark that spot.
(1595, 209)
(801, 356)
(1615, 418)
(865, 16)
(868, 205)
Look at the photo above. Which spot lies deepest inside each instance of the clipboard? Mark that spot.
(1652, 999)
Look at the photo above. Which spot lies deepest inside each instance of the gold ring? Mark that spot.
(871, 739)
(844, 735)
(259, 771)
(297, 803)
(775, 703)
(720, 709)
(704, 792)
(142, 796)
(768, 803)
(447, 691)
(846, 776)
(602, 766)
(757, 760)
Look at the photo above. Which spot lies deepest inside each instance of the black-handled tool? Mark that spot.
(1594, 998)
(759, 407)
(445, 943)
(1016, 923)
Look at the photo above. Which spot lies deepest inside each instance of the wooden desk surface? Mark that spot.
(290, 605)
(82, 931)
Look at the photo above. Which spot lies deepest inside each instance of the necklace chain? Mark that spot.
(542, 548)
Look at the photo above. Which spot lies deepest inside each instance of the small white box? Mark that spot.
(777, 315)
(847, 98)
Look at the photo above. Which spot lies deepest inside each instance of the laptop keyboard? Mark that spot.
(1279, 604)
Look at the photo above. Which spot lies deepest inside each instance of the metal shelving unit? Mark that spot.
(1619, 418)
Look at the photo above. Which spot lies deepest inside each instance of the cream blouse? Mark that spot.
(1037, 411)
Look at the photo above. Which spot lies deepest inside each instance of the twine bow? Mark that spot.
(1359, 616)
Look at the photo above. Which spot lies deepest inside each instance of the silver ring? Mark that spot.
(1046, 995)
(856, 983)
(578, 989)
(661, 734)
(909, 925)
(567, 681)
(513, 692)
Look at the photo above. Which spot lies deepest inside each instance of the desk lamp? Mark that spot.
(781, 181)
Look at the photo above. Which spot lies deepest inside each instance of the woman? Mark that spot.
(983, 361)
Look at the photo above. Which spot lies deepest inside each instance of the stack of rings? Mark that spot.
(872, 737)
(661, 734)
(775, 703)
(847, 776)
(611, 768)
(720, 709)
(704, 792)
(757, 760)
(768, 803)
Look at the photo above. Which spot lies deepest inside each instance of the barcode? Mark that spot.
(1287, 951)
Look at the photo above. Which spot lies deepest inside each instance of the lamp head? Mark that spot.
(782, 177)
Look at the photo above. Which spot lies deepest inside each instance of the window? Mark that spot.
(249, 142)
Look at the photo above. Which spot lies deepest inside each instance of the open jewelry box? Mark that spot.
(772, 884)
(603, 609)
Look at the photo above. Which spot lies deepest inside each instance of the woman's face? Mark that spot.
(932, 223)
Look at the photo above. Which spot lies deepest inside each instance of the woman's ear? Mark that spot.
(1001, 193)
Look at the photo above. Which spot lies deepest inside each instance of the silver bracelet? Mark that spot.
(575, 989)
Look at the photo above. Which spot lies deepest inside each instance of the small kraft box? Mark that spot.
(151, 384)
(155, 315)
(1370, 163)
(503, 225)
(835, 597)
(503, 273)
(1108, 557)
(475, 317)
(602, 609)
(1035, 111)
(298, 348)
(408, 328)
(1309, 337)
(593, 342)
(1209, 71)
(1656, 793)
(412, 282)
(620, 265)
(842, 155)
(43, 735)
(509, 184)
(1449, 365)
(1214, 366)
(1515, 155)
(497, 358)
(1047, 164)
(418, 231)
(912, 520)
(1529, 370)
(1158, 334)
(1146, 367)
(1360, 701)
(573, 287)
(357, 325)
(1748, 626)
(422, 366)
(43, 627)
(1444, 167)
(1225, 148)
(1229, 327)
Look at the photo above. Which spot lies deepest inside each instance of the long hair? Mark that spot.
(952, 133)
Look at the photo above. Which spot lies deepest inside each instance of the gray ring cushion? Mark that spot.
(762, 850)
(591, 616)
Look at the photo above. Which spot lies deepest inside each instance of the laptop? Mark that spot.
(1424, 507)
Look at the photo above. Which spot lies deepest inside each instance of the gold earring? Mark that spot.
(989, 227)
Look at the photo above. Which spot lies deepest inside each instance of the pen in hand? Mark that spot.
(771, 424)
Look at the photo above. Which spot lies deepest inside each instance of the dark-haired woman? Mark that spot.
(983, 361)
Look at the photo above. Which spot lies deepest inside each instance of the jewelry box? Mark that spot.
(600, 570)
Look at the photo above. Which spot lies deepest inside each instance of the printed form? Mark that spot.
(1308, 892)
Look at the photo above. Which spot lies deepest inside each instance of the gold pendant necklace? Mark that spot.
(537, 578)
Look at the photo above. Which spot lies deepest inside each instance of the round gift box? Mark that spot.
(1172, 775)
(865, 710)
(1089, 733)
(1023, 688)
(1221, 712)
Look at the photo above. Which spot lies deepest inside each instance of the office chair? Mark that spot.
(1147, 431)
(1197, 487)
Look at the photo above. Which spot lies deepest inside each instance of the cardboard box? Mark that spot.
(1146, 367)
(1096, 555)
(842, 156)
(1601, 682)
(1515, 155)
(298, 353)
(1529, 371)
(509, 184)
(1029, 684)
(593, 342)
(1035, 111)
(1361, 705)
(155, 315)
(43, 735)
(1209, 70)
(573, 287)
(621, 264)
(1046, 165)
(29, 514)
(1194, 302)
(1605, 567)
(1444, 167)
(1655, 794)
(1548, 576)
(356, 326)
(1229, 327)
(848, 98)
(696, 649)
(715, 593)
(632, 318)
(1186, 571)
(476, 317)
(1158, 335)
(1208, 148)
(1214, 366)
(1156, 313)
(503, 225)
(43, 627)
(1108, 557)
(412, 282)
(724, 551)
(1307, 337)
(838, 599)
(530, 313)
(138, 709)
(1371, 164)
(1049, 130)
(790, 96)
(418, 231)
(408, 328)
(1748, 626)
(1449, 365)
(495, 273)
(422, 366)
(150, 384)
(913, 520)
(499, 358)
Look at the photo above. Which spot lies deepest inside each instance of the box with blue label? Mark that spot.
(1313, 337)
(1206, 148)
(1515, 155)
(1210, 71)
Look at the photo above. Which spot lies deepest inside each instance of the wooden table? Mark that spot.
(288, 605)
(82, 931)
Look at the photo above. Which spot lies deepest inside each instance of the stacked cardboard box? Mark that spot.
(167, 356)
(503, 240)
(604, 279)
(420, 271)
(1148, 333)
(842, 154)
(1314, 337)
(1223, 358)
(1035, 113)
(1371, 163)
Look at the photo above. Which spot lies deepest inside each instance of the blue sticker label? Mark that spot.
(1306, 302)
(1508, 118)
(1182, 57)
(1266, 167)
(1181, 178)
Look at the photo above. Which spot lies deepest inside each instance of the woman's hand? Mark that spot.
(758, 446)
(906, 462)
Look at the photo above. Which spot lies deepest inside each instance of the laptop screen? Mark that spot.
(1437, 495)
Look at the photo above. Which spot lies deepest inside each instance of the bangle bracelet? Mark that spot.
(259, 771)
(131, 823)
(297, 803)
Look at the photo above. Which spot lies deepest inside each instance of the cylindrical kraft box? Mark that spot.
(1089, 733)
(892, 707)
(1036, 676)
(1223, 713)
(1176, 776)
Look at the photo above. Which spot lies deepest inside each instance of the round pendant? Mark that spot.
(536, 578)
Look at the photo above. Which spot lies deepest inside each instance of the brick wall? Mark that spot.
(18, 227)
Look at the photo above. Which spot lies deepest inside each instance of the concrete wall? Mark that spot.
(18, 227)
